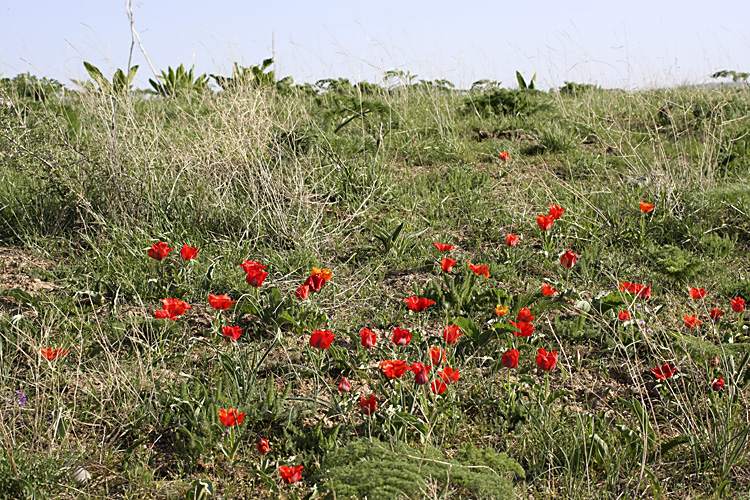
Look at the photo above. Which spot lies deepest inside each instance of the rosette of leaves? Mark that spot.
(179, 82)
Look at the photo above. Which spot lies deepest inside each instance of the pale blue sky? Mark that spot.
(614, 44)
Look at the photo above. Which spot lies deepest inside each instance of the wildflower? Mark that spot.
(525, 315)
(449, 375)
(368, 338)
(188, 253)
(715, 314)
(303, 292)
(646, 208)
(714, 361)
(394, 368)
(555, 211)
(443, 247)
(344, 385)
(321, 339)
(421, 372)
(480, 270)
(569, 259)
(510, 358)
(501, 310)
(251, 266)
(692, 321)
(437, 355)
(451, 334)
(546, 361)
(401, 336)
(525, 329)
(504, 156)
(172, 309)
(447, 264)
(291, 474)
(264, 446)
(637, 289)
(51, 354)
(512, 239)
(624, 316)
(220, 302)
(418, 304)
(738, 304)
(315, 282)
(326, 273)
(231, 417)
(697, 293)
(664, 371)
(438, 386)
(255, 278)
(159, 251)
(544, 222)
(368, 405)
(717, 384)
(231, 333)
(547, 290)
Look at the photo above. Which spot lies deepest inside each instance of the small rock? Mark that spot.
(81, 475)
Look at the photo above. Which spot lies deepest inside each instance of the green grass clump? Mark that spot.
(375, 470)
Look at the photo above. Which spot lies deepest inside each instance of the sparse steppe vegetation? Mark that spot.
(361, 179)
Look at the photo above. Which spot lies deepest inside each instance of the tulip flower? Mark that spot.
(547, 290)
(525, 329)
(447, 264)
(715, 314)
(510, 358)
(738, 304)
(451, 334)
(569, 259)
(443, 247)
(437, 356)
(544, 222)
(52, 354)
(401, 336)
(504, 156)
(231, 417)
(555, 211)
(525, 315)
(344, 385)
(394, 368)
(717, 384)
(159, 251)
(418, 304)
(303, 292)
(546, 361)
(421, 372)
(264, 446)
(231, 333)
(512, 239)
(188, 253)
(646, 207)
(368, 338)
(480, 270)
(692, 321)
(664, 371)
(291, 474)
(321, 339)
(449, 375)
(697, 293)
(220, 302)
(438, 386)
(624, 316)
(368, 405)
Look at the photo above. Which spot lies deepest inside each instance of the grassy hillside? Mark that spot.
(360, 180)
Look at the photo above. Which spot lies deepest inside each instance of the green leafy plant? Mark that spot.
(179, 82)
(120, 83)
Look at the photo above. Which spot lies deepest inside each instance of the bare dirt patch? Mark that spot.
(18, 269)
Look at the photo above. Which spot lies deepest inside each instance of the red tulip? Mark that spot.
(418, 304)
(172, 308)
(525, 329)
(544, 222)
(250, 266)
(437, 356)
(525, 315)
(449, 375)
(188, 253)
(421, 373)
(368, 338)
(443, 247)
(231, 333)
(664, 371)
(738, 304)
(394, 368)
(368, 405)
(717, 384)
(321, 339)
(231, 417)
(546, 361)
(315, 282)
(715, 313)
(159, 251)
(646, 207)
(637, 289)
(480, 270)
(555, 211)
(344, 385)
(264, 446)
(401, 336)
(624, 316)
(220, 302)
(255, 278)
(510, 358)
(569, 259)
(697, 293)
(692, 321)
(547, 290)
(504, 156)
(303, 292)
(51, 354)
(512, 239)
(438, 386)
(451, 334)
(447, 264)
(291, 474)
